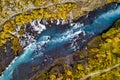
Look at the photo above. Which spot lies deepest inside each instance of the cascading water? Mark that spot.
(60, 40)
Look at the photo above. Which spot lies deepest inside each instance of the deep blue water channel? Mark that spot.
(61, 40)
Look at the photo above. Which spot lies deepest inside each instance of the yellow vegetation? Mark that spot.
(16, 46)
(52, 77)
(110, 1)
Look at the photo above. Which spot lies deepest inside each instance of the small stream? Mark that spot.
(61, 40)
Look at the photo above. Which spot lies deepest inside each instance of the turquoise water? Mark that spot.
(53, 41)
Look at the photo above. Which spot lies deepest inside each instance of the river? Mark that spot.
(61, 40)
